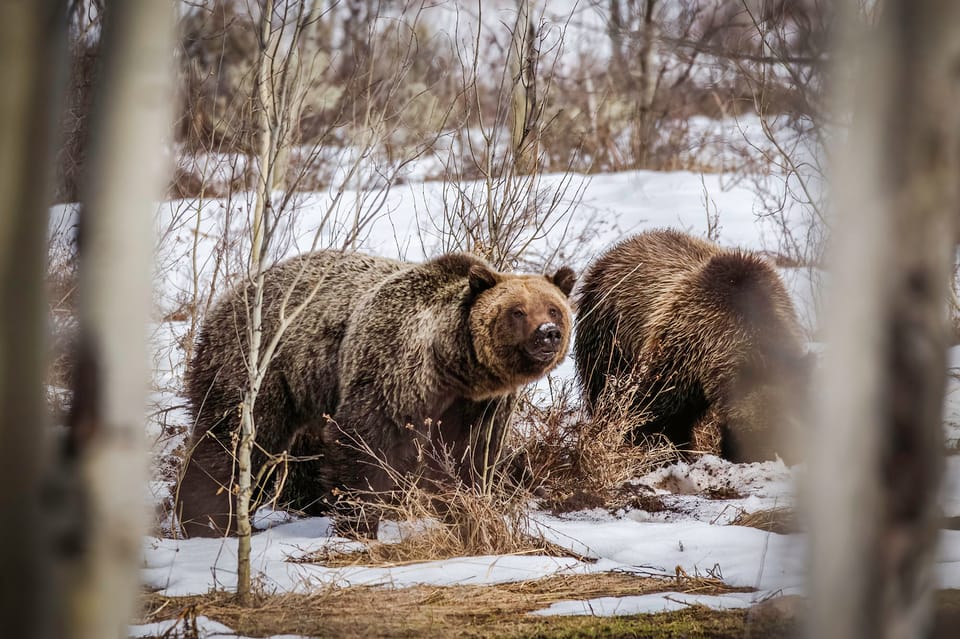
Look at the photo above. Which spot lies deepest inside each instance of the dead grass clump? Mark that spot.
(61, 281)
(583, 459)
(782, 520)
(421, 547)
(441, 516)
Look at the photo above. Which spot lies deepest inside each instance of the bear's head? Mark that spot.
(520, 324)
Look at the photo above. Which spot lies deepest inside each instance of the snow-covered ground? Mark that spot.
(694, 533)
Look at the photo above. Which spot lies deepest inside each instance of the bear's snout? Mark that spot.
(545, 342)
(548, 334)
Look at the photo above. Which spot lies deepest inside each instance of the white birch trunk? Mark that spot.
(132, 113)
(265, 99)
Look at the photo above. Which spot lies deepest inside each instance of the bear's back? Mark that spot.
(329, 284)
(620, 293)
(742, 290)
(632, 279)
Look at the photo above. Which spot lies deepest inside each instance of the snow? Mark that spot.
(685, 488)
(193, 566)
(205, 627)
(658, 602)
(740, 556)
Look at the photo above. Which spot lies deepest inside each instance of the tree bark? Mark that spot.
(647, 88)
(32, 56)
(265, 118)
(525, 121)
(877, 458)
(107, 451)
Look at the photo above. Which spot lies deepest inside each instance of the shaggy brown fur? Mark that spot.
(400, 355)
(709, 337)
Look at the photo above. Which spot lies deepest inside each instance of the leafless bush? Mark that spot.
(509, 213)
(412, 62)
(784, 72)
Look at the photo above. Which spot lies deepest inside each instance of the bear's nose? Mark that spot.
(549, 333)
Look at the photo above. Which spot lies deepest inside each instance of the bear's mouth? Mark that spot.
(541, 354)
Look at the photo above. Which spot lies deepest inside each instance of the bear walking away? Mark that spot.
(704, 341)
(400, 356)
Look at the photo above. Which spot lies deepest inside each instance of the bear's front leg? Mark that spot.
(471, 435)
(365, 484)
(205, 503)
(355, 519)
(368, 453)
(709, 436)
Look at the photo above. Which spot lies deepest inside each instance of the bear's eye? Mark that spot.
(519, 313)
(554, 314)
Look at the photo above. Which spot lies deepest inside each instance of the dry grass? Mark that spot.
(61, 282)
(458, 611)
(584, 461)
(426, 546)
(781, 520)
(441, 516)
(579, 462)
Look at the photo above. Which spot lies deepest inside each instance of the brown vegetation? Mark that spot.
(456, 611)
(670, 62)
(581, 461)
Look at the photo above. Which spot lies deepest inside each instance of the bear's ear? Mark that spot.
(564, 279)
(481, 278)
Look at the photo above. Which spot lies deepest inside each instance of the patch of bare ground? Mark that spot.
(722, 493)
(457, 611)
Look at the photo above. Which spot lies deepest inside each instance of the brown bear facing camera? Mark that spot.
(403, 357)
(703, 342)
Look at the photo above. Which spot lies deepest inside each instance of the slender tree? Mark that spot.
(526, 109)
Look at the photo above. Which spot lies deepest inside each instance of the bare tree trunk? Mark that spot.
(278, 71)
(107, 448)
(525, 123)
(648, 83)
(265, 100)
(31, 54)
(877, 460)
(616, 27)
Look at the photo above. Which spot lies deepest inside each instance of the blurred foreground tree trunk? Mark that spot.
(106, 452)
(877, 459)
(32, 54)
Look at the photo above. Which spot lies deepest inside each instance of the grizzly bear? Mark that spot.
(383, 360)
(703, 341)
